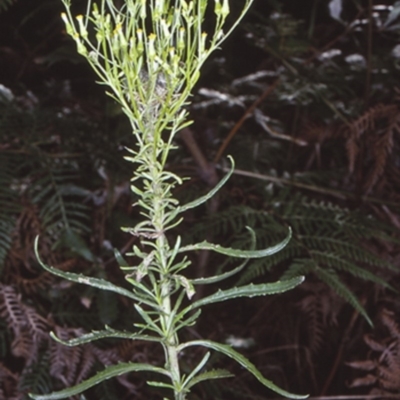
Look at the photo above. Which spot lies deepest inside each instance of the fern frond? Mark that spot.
(7, 225)
(373, 134)
(64, 361)
(298, 266)
(318, 307)
(328, 240)
(38, 326)
(335, 261)
(24, 346)
(88, 360)
(332, 279)
(343, 248)
(35, 284)
(384, 367)
(388, 319)
(9, 206)
(11, 308)
(58, 197)
(262, 266)
(36, 378)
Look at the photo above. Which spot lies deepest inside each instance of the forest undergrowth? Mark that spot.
(307, 103)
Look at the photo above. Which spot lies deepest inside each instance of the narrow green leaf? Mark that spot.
(251, 290)
(211, 193)
(237, 252)
(221, 277)
(146, 317)
(107, 373)
(174, 252)
(186, 322)
(213, 374)
(120, 259)
(244, 362)
(107, 333)
(228, 274)
(95, 282)
(160, 384)
(199, 366)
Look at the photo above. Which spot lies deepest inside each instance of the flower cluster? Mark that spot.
(149, 53)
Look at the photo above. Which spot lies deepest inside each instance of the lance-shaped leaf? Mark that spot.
(151, 325)
(221, 277)
(237, 252)
(251, 290)
(243, 361)
(107, 333)
(211, 193)
(196, 370)
(205, 376)
(95, 282)
(228, 274)
(107, 373)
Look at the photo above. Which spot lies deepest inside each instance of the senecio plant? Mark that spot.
(148, 53)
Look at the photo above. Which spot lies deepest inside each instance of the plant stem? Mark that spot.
(171, 339)
(161, 191)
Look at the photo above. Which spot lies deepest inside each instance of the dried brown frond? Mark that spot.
(20, 266)
(19, 316)
(24, 346)
(37, 325)
(113, 356)
(129, 350)
(373, 344)
(315, 132)
(366, 365)
(30, 286)
(106, 356)
(8, 383)
(64, 360)
(381, 148)
(388, 319)
(30, 338)
(11, 308)
(321, 308)
(367, 380)
(88, 360)
(384, 362)
(370, 142)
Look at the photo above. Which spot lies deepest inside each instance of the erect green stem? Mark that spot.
(171, 340)
(158, 213)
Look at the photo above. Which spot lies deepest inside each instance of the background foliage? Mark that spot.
(305, 99)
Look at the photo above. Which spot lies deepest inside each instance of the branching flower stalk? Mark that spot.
(148, 54)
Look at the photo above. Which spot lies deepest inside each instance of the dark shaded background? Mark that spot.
(323, 150)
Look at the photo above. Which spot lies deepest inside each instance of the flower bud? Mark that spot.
(82, 28)
(68, 25)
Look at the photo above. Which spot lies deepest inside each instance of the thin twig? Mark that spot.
(332, 192)
(238, 124)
